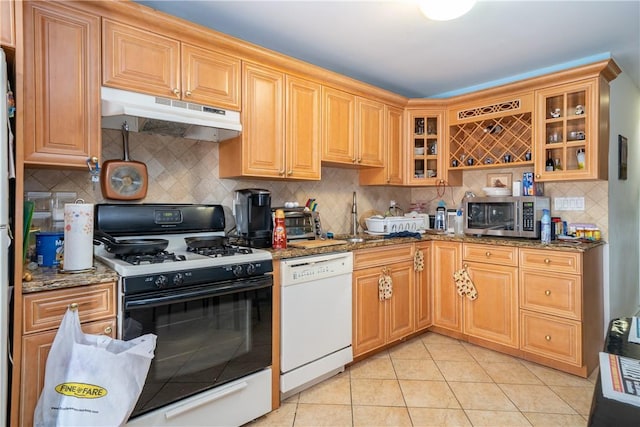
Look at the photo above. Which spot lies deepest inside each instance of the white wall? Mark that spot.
(622, 289)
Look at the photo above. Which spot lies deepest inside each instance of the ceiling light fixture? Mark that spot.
(445, 10)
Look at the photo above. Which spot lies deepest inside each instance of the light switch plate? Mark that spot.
(568, 203)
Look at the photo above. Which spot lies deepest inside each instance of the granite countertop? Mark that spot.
(48, 278)
(379, 241)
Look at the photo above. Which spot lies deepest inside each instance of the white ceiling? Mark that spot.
(391, 45)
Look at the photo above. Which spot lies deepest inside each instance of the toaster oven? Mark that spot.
(301, 224)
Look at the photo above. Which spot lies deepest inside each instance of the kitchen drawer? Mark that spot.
(557, 294)
(384, 255)
(44, 310)
(491, 254)
(563, 262)
(552, 337)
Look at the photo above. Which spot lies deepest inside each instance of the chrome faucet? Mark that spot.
(354, 216)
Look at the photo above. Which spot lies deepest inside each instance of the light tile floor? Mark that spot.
(433, 380)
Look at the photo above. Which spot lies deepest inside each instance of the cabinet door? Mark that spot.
(425, 154)
(447, 304)
(263, 122)
(210, 78)
(393, 171)
(493, 316)
(338, 123)
(138, 60)
(368, 312)
(61, 85)
(302, 129)
(7, 23)
(568, 132)
(400, 307)
(424, 311)
(35, 349)
(370, 136)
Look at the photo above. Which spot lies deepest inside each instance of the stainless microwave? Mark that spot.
(504, 216)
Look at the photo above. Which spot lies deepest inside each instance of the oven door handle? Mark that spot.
(199, 293)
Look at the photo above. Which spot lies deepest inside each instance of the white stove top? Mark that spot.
(177, 246)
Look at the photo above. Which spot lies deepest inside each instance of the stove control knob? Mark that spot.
(161, 281)
(237, 270)
(178, 279)
(251, 269)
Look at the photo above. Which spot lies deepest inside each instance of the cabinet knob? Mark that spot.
(188, 93)
(547, 261)
(359, 159)
(547, 337)
(74, 306)
(465, 265)
(281, 172)
(176, 91)
(487, 254)
(547, 292)
(537, 175)
(290, 173)
(108, 330)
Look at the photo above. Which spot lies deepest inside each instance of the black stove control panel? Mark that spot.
(182, 278)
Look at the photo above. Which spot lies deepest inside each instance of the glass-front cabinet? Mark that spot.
(425, 155)
(570, 144)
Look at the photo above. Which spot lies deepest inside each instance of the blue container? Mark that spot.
(49, 248)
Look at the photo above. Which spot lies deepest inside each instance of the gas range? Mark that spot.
(210, 257)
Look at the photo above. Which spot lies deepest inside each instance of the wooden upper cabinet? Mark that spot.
(61, 85)
(338, 124)
(393, 171)
(370, 136)
(210, 78)
(146, 62)
(281, 128)
(138, 60)
(7, 23)
(302, 129)
(569, 125)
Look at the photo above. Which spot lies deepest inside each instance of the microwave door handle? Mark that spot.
(518, 225)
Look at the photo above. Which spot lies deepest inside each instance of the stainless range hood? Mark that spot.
(165, 116)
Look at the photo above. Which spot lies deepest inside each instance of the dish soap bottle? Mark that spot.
(441, 215)
(545, 227)
(279, 231)
(458, 227)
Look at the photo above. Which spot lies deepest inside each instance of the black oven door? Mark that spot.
(207, 336)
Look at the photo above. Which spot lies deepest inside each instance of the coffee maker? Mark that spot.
(252, 212)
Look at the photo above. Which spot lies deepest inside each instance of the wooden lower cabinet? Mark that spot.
(493, 315)
(561, 312)
(447, 304)
(43, 312)
(379, 322)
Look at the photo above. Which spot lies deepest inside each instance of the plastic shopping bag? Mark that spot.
(92, 380)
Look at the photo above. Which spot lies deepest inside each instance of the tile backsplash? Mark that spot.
(186, 171)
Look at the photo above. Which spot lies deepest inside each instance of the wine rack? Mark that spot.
(493, 142)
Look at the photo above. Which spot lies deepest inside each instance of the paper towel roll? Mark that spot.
(78, 236)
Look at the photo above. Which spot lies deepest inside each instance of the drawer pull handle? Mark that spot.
(547, 292)
(188, 93)
(73, 306)
(547, 337)
(176, 91)
(547, 261)
(108, 330)
(487, 254)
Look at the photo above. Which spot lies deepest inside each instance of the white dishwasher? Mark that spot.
(315, 320)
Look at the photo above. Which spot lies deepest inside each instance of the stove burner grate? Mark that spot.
(155, 258)
(220, 251)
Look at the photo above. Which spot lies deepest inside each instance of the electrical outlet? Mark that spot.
(568, 203)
